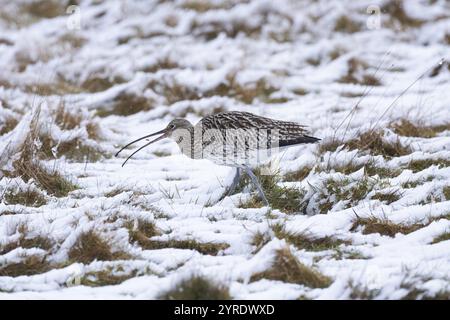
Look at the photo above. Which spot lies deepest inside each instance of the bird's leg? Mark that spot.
(234, 184)
(257, 185)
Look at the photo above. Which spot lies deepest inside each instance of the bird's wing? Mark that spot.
(289, 133)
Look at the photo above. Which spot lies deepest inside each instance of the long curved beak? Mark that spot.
(164, 135)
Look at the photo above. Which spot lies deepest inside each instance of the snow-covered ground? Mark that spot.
(124, 69)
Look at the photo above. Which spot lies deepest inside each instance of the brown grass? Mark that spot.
(104, 278)
(29, 266)
(197, 288)
(407, 128)
(345, 24)
(307, 242)
(287, 268)
(356, 74)
(443, 237)
(126, 104)
(98, 84)
(419, 165)
(384, 226)
(8, 125)
(374, 143)
(399, 17)
(90, 246)
(26, 242)
(29, 197)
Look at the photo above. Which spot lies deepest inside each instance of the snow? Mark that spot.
(121, 41)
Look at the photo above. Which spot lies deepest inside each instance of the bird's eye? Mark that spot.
(172, 126)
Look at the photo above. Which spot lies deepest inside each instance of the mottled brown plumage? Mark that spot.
(238, 139)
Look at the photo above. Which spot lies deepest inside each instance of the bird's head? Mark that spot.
(176, 130)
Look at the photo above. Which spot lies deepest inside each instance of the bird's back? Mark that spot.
(236, 138)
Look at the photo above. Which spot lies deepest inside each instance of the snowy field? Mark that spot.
(364, 214)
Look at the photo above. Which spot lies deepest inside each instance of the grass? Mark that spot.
(399, 17)
(29, 266)
(97, 83)
(387, 197)
(349, 191)
(8, 125)
(419, 165)
(30, 169)
(356, 74)
(345, 24)
(443, 237)
(303, 241)
(26, 242)
(406, 128)
(90, 246)
(126, 104)
(361, 292)
(298, 175)
(197, 288)
(446, 192)
(287, 268)
(283, 198)
(383, 226)
(29, 197)
(104, 278)
(141, 233)
(370, 169)
(374, 143)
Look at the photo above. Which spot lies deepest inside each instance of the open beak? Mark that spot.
(164, 135)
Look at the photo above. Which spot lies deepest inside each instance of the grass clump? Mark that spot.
(287, 268)
(298, 175)
(90, 246)
(29, 197)
(374, 143)
(356, 74)
(443, 237)
(446, 192)
(142, 231)
(419, 165)
(406, 128)
(197, 288)
(345, 190)
(104, 278)
(29, 266)
(283, 198)
(29, 168)
(345, 24)
(7, 125)
(399, 17)
(383, 226)
(126, 104)
(26, 242)
(98, 84)
(387, 197)
(309, 243)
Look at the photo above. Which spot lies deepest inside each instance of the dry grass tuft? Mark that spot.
(356, 74)
(126, 104)
(443, 237)
(104, 278)
(399, 17)
(29, 266)
(8, 125)
(383, 226)
(419, 165)
(303, 241)
(197, 288)
(29, 197)
(407, 128)
(90, 246)
(26, 242)
(374, 143)
(286, 199)
(345, 24)
(287, 268)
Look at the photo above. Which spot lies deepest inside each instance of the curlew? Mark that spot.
(237, 139)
